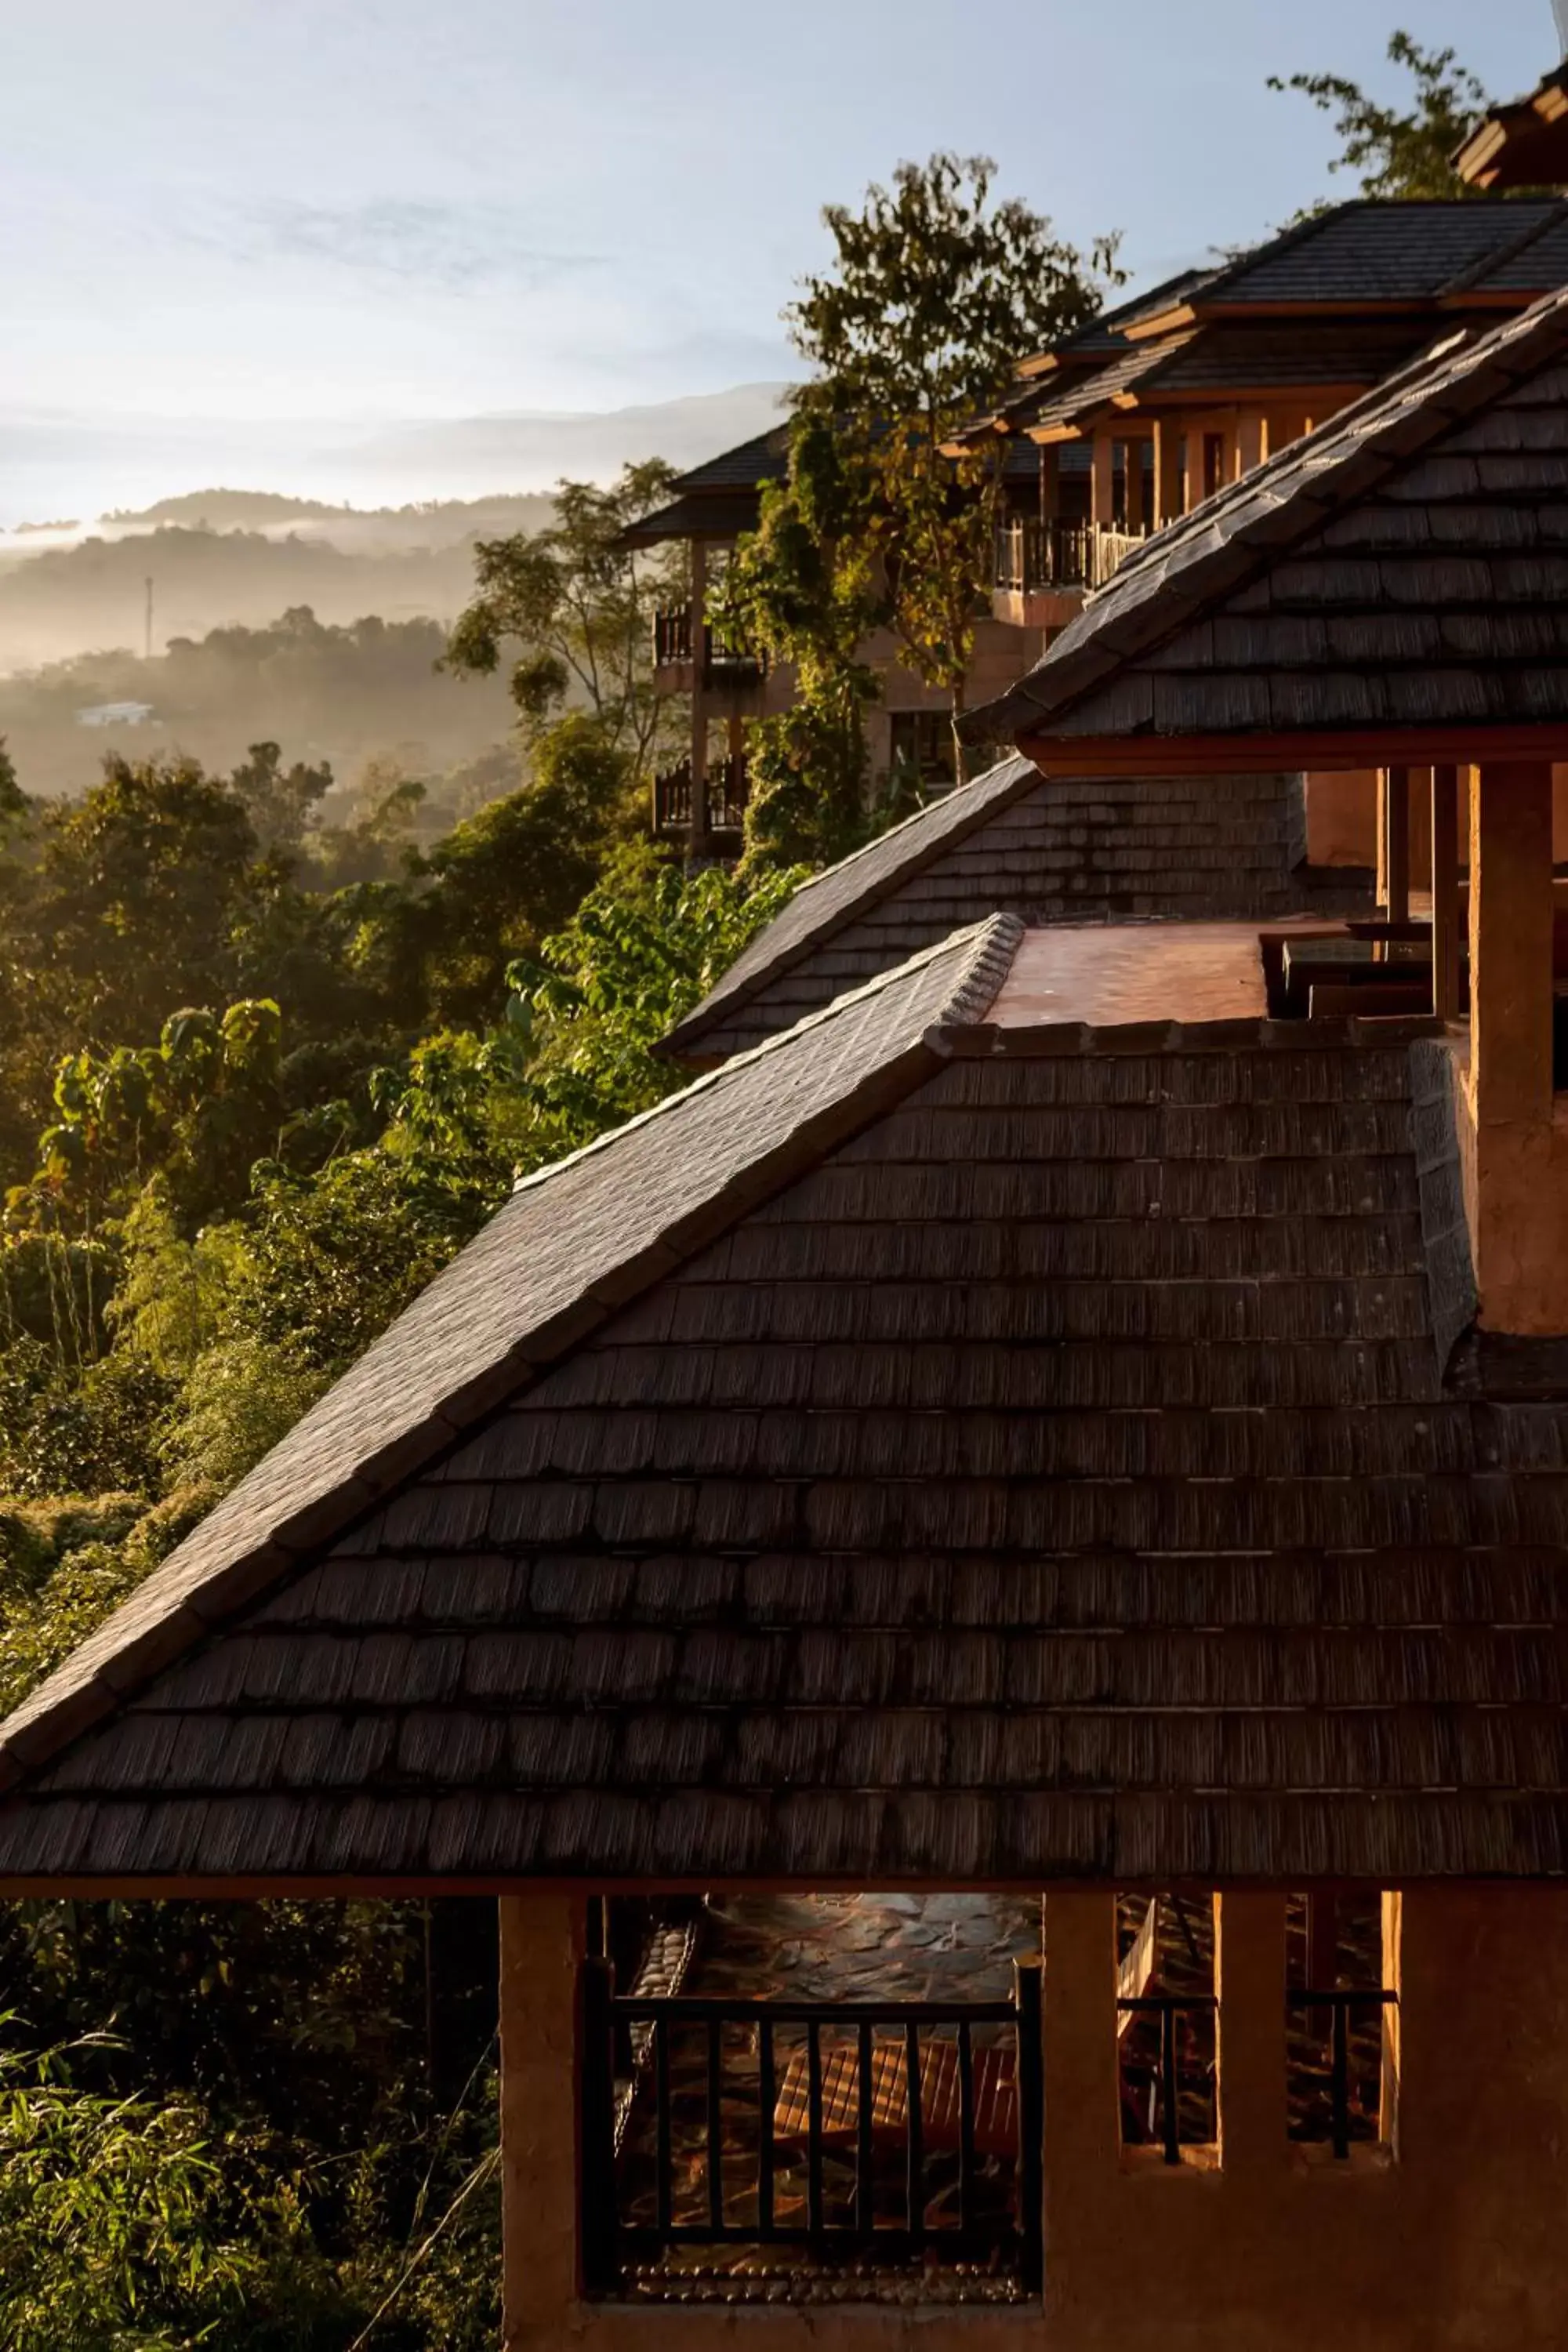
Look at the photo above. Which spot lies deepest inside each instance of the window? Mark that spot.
(1165, 2024)
(1340, 2011)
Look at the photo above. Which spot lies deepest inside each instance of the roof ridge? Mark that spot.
(723, 998)
(1382, 431)
(391, 1415)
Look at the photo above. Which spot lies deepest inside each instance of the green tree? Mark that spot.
(1400, 151)
(575, 608)
(936, 292)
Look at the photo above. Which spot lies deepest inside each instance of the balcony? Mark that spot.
(724, 807)
(725, 665)
(1056, 559)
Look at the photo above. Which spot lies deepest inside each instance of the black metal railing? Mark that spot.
(1032, 555)
(1340, 2006)
(1169, 2008)
(852, 2073)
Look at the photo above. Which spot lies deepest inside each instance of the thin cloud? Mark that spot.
(454, 246)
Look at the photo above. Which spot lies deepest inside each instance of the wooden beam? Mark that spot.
(1132, 476)
(541, 1947)
(1251, 448)
(1051, 481)
(1446, 893)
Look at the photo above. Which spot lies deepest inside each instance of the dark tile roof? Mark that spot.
(718, 515)
(1233, 355)
(1370, 251)
(1066, 850)
(760, 459)
(1054, 1481)
(1405, 564)
(571, 1244)
(1085, 395)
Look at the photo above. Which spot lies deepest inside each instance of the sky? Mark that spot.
(257, 234)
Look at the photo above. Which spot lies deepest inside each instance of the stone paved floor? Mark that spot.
(865, 1946)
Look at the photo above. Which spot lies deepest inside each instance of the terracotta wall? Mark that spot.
(1451, 2239)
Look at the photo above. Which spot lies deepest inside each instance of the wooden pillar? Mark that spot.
(1167, 469)
(1394, 843)
(1249, 1979)
(1133, 464)
(1516, 1194)
(1196, 491)
(543, 1939)
(698, 841)
(1446, 893)
(1051, 481)
(1511, 945)
(1249, 443)
(1102, 481)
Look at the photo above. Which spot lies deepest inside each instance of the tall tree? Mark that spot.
(1400, 151)
(575, 608)
(936, 291)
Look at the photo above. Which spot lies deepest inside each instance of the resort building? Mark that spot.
(1067, 1442)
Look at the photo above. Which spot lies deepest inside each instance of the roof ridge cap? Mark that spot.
(706, 1080)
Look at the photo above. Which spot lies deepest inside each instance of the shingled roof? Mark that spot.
(932, 1451)
(718, 498)
(1070, 850)
(1405, 566)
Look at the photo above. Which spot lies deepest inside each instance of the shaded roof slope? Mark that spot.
(1369, 250)
(1069, 850)
(1051, 1483)
(570, 1244)
(1407, 564)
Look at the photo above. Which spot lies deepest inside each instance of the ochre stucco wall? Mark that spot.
(1453, 2242)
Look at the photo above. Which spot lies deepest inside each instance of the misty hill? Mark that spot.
(423, 523)
(346, 695)
(73, 600)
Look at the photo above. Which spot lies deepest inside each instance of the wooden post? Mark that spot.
(1511, 946)
(1167, 469)
(1446, 893)
(697, 842)
(1050, 482)
(1196, 491)
(1249, 447)
(1394, 843)
(1102, 481)
(1132, 473)
(1516, 1196)
(541, 1947)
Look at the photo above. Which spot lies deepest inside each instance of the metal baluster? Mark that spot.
(865, 2189)
(661, 2121)
(814, 2129)
(766, 2095)
(965, 2129)
(715, 2128)
(915, 2169)
(1168, 2070)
